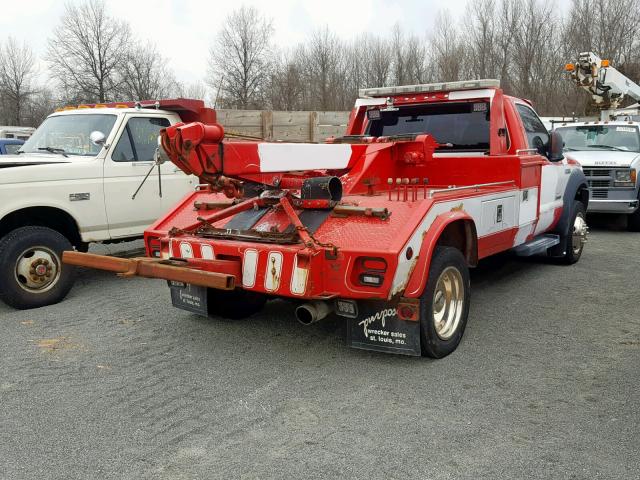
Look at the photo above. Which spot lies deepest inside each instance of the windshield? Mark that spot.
(461, 125)
(69, 134)
(12, 147)
(603, 137)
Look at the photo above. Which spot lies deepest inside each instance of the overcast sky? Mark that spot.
(184, 29)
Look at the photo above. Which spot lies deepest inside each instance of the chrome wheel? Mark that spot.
(579, 235)
(448, 302)
(37, 269)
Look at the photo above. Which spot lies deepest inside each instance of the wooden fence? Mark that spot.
(284, 126)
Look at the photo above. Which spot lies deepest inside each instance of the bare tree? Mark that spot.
(507, 24)
(287, 85)
(323, 62)
(482, 39)
(378, 61)
(40, 105)
(145, 75)
(87, 50)
(17, 72)
(415, 60)
(240, 60)
(607, 27)
(399, 56)
(197, 90)
(536, 65)
(448, 54)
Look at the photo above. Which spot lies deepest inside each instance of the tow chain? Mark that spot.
(330, 245)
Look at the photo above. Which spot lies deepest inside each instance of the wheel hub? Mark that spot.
(37, 269)
(448, 302)
(580, 233)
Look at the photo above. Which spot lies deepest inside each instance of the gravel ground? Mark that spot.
(115, 383)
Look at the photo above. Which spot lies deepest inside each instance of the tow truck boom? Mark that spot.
(608, 87)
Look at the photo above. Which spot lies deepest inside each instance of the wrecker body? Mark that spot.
(379, 226)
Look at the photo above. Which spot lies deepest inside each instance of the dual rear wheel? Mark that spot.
(444, 303)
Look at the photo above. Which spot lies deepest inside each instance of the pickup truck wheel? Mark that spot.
(31, 268)
(444, 304)
(577, 235)
(235, 304)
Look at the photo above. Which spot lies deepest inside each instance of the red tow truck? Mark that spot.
(379, 226)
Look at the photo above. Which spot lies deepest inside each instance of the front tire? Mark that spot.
(31, 271)
(444, 304)
(577, 234)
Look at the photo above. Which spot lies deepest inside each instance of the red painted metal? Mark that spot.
(396, 204)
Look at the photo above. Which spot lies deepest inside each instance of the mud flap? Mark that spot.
(191, 298)
(374, 325)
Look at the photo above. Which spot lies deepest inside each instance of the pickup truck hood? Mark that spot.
(44, 167)
(603, 158)
(8, 161)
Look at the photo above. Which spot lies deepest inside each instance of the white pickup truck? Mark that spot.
(73, 183)
(609, 153)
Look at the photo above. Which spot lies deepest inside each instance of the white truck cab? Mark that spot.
(73, 183)
(609, 153)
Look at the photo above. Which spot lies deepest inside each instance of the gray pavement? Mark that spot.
(115, 383)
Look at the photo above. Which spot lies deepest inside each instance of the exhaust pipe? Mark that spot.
(312, 312)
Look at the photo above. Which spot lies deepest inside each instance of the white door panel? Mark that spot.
(550, 194)
(126, 164)
(175, 185)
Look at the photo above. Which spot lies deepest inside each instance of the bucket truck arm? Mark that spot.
(608, 87)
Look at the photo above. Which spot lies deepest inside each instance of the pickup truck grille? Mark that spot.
(599, 193)
(599, 177)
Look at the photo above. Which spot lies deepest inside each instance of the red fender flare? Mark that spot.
(418, 276)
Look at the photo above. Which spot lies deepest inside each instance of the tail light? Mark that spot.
(408, 309)
(154, 247)
(369, 271)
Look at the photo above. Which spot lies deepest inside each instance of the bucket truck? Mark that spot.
(608, 149)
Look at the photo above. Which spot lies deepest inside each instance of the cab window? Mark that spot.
(456, 126)
(139, 139)
(12, 147)
(537, 135)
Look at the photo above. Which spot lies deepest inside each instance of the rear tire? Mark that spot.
(576, 235)
(235, 304)
(31, 270)
(444, 304)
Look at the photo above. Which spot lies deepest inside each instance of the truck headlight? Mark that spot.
(625, 178)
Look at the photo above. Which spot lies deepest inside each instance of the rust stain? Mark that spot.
(457, 208)
(56, 344)
(51, 343)
(275, 279)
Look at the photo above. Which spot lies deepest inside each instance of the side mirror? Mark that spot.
(160, 155)
(556, 146)
(97, 137)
